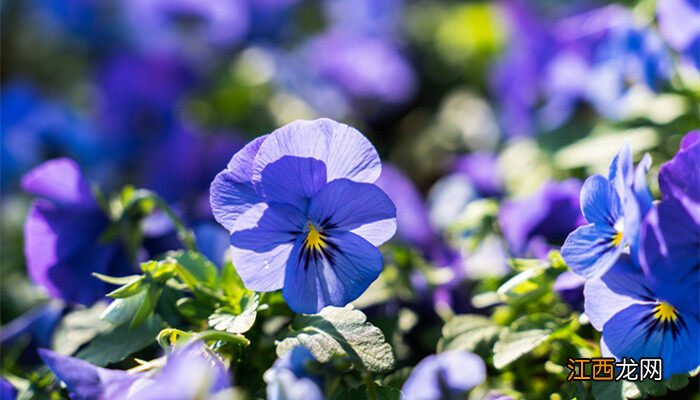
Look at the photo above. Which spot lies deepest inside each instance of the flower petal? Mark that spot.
(232, 191)
(679, 178)
(361, 208)
(292, 180)
(621, 169)
(61, 181)
(444, 375)
(589, 250)
(344, 150)
(623, 285)
(336, 278)
(261, 242)
(635, 333)
(600, 202)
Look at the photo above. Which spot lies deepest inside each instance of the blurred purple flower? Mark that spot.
(481, 168)
(679, 178)
(532, 225)
(679, 25)
(290, 379)
(34, 129)
(177, 26)
(301, 202)
(373, 17)
(62, 235)
(569, 286)
(34, 329)
(444, 375)
(189, 371)
(7, 391)
(138, 98)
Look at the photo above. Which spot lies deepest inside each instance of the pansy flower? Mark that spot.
(304, 215)
(445, 375)
(613, 208)
(679, 25)
(653, 311)
(290, 379)
(188, 372)
(63, 232)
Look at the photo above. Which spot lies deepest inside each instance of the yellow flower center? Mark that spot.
(314, 239)
(665, 312)
(617, 239)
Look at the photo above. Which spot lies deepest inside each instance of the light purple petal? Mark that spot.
(454, 371)
(361, 208)
(600, 202)
(232, 191)
(589, 250)
(338, 277)
(59, 180)
(344, 150)
(261, 243)
(622, 286)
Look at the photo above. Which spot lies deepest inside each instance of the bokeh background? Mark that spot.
(469, 99)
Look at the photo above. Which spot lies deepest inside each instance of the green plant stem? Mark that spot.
(371, 391)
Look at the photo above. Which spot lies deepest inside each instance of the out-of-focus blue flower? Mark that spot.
(189, 371)
(7, 391)
(34, 129)
(481, 168)
(532, 225)
(444, 376)
(90, 20)
(181, 26)
(613, 208)
(137, 102)
(374, 17)
(679, 25)
(271, 20)
(62, 235)
(569, 286)
(290, 379)
(550, 62)
(36, 327)
(300, 202)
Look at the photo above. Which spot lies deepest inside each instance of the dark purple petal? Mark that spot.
(7, 391)
(361, 208)
(336, 277)
(292, 180)
(679, 178)
(569, 286)
(261, 244)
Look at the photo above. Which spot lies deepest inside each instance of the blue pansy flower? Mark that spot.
(63, 231)
(304, 215)
(188, 372)
(290, 379)
(653, 311)
(444, 376)
(613, 208)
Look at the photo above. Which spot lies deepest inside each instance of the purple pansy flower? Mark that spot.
(304, 215)
(679, 178)
(679, 25)
(613, 208)
(189, 371)
(7, 391)
(533, 224)
(569, 286)
(482, 169)
(34, 329)
(289, 378)
(62, 235)
(444, 375)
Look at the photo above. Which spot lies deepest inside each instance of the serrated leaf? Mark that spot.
(118, 344)
(224, 319)
(342, 332)
(79, 327)
(468, 332)
(523, 336)
(362, 393)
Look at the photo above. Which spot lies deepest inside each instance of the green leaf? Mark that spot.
(526, 285)
(342, 332)
(468, 332)
(195, 269)
(150, 300)
(232, 284)
(121, 311)
(132, 288)
(121, 280)
(523, 336)
(118, 344)
(225, 319)
(362, 392)
(79, 327)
